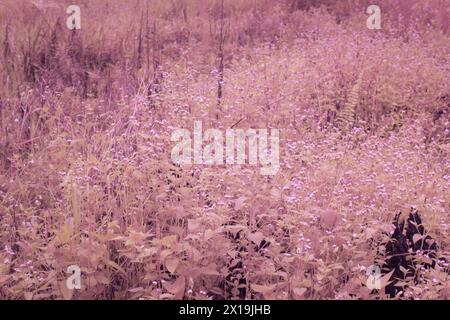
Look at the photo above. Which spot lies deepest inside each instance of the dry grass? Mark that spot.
(85, 124)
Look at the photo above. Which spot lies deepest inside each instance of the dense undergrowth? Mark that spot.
(85, 170)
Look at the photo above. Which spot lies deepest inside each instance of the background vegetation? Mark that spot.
(85, 123)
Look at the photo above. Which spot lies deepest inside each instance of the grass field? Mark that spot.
(87, 115)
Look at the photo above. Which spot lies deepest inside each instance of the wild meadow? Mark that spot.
(87, 178)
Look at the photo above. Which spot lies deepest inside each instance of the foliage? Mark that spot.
(85, 124)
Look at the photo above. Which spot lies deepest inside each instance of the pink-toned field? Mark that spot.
(87, 178)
